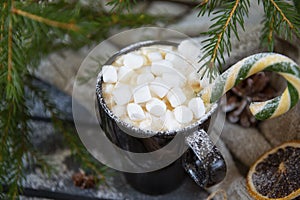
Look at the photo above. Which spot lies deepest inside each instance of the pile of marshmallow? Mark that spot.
(155, 87)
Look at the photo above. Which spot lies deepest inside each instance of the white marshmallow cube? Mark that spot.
(194, 81)
(154, 56)
(119, 110)
(156, 107)
(174, 80)
(133, 61)
(146, 123)
(176, 97)
(164, 48)
(197, 106)
(157, 123)
(144, 78)
(141, 94)
(170, 122)
(135, 112)
(159, 87)
(179, 62)
(183, 114)
(119, 60)
(125, 74)
(108, 88)
(160, 67)
(122, 94)
(190, 50)
(109, 73)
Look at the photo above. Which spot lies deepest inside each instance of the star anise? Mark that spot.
(255, 88)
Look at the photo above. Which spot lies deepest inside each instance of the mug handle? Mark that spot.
(203, 161)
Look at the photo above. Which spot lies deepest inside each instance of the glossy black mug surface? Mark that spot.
(202, 161)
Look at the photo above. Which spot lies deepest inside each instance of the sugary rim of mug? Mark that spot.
(101, 99)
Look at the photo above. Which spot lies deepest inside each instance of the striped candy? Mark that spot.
(251, 65)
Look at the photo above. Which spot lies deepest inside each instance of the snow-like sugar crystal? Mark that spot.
(133, 61)
(141, 94)
(109, 73)
(197, 106)
(183, 114)
(176, 97)
(156, 107)
(135, 112)
(122, 94)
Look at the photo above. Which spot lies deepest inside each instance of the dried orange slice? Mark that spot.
(276, 174)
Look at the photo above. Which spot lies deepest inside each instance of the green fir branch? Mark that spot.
(30, 30)
(225, 24)
(282, 19)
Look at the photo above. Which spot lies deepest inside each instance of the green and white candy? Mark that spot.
(252, 65)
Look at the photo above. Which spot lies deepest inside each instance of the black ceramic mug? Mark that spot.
(202, 160)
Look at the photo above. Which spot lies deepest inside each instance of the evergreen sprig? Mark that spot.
(225, 23)
(281, 19)
(30, 30)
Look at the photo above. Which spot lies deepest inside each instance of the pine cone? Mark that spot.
(84, 181)
(254, 88)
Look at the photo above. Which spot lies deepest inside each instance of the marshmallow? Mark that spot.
(174, 79)
(141, 94)
(125, 74)
(135, 112)
(144, 78)
(170, 122)
(197, 107)
(183, 114)
(178, 61)
(176, 97)
(154, 56)
(164, 48)
(194, 81)
(150, 49)
(122, 94)
(160, 67)
(157, 123)
(189, 50)
(119, 110)
(146, 123)
(133, 61)
(108, 88)
(144, 69)
(159, 87)
(156, 107)
(119, 61)
(109, 74)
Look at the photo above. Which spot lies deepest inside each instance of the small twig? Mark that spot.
(220, 35)
(270, 35)
(2, 29)
(49, 22)
(282, 14)
(10, 43)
